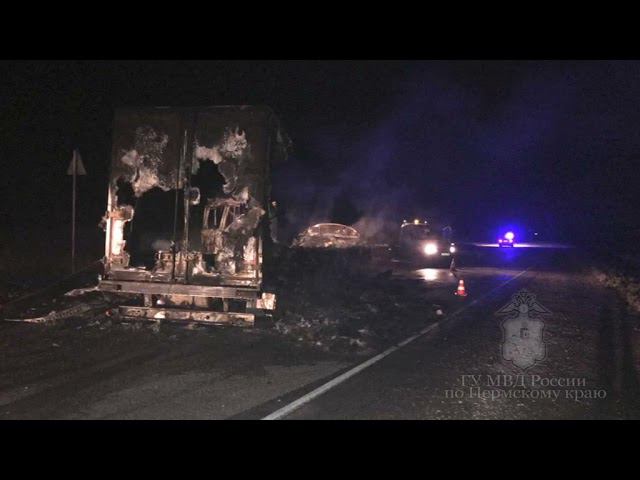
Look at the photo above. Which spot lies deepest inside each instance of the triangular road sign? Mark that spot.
(76, 161)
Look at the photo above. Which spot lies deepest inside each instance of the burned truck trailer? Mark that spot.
(187, 221)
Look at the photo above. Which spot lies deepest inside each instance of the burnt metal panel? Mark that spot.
(185, 315)
(257, 125)
(162, 288)
(148, 142)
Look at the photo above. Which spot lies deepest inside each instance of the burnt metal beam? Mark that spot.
(185, 315)
(157, 288)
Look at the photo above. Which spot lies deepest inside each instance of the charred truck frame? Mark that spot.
(187, 221)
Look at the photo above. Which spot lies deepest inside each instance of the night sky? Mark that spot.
(548, 145)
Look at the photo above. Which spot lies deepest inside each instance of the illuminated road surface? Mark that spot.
(73, 372)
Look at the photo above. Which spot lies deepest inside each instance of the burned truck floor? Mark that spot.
(187, 221)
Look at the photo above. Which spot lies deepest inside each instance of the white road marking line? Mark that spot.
(287, 409)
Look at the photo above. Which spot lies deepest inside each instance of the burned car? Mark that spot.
(187, 221)
(328, 235)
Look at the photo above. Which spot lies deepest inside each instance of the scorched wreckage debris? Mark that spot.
(187, 221)
(328, 235)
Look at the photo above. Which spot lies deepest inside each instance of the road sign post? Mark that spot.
(75, 168)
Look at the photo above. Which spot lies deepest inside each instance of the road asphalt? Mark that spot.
(456, 370)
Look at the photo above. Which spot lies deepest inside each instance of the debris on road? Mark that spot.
(80, 291)
(84, 302)
(334, 300)
(75, 311)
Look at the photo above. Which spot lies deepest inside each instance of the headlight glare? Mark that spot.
(430, 249)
